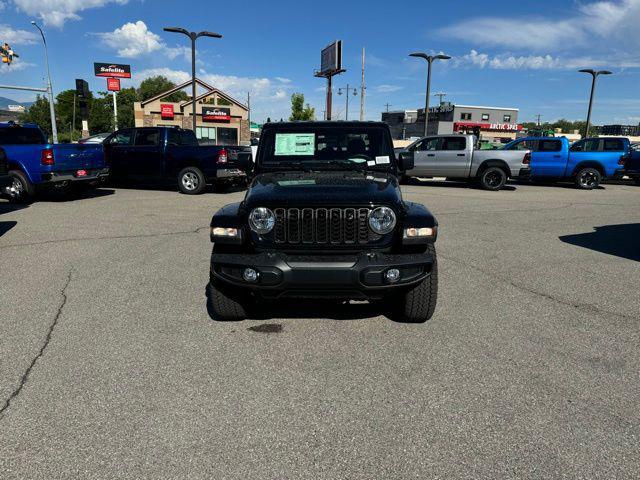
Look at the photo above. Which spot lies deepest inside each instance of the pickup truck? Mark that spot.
(586, 162)
(170, 155)
(35, 164)
(632, 163)
(324, 218)
(457, 157)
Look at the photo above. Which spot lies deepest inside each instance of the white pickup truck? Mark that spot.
(456, 157)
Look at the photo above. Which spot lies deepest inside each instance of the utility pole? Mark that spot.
(387, 105)
(73, 117)
(440, 95)
(362, 89)
(52, 110)
(249, 113)
(429, 59)
(193, 36)
(594, 74)
(347, 91)
(538, 116)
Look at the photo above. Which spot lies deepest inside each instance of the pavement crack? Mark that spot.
(580, 306)
(25, 376)
(107, 237)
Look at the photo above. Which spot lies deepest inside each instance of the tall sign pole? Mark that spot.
(362, 89)
(113, 85)
(330, 65)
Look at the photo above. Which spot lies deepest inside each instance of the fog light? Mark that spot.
(392, 275)
(250, 275)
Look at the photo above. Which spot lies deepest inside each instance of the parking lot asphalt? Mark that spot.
(110, 366)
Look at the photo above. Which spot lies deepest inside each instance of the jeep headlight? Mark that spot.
(262, 220)
(382, 220)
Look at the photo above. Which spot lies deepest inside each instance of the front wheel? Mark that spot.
(588, 178)
(223, 307)
(492, 178)
(191, 181)
(418, 304)
(637, 181)
(21, 189)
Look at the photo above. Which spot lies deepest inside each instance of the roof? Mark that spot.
(486, 108)
(210, 90)
(324, 123)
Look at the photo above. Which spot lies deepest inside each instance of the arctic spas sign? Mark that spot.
(112, 70)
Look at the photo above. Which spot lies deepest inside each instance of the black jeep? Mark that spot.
(324, 218)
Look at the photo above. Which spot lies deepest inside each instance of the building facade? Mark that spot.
(493, 123)
(220, 119)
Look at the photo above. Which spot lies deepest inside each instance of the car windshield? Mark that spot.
(328, 148)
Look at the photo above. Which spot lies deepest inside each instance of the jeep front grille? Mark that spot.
(332, 226)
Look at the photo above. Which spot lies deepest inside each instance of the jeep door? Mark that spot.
(425, 157)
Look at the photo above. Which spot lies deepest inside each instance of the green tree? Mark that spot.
(126, 98)
(101, 113)
(299, 111)
(153, 86)
(39, 114)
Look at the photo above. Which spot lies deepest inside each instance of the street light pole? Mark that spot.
(347, 90)
(429, 59)
(594, 74)
(52, 110)
(193, 36)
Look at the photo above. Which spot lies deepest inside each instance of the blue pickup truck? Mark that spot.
(34, 164)
(586, 162)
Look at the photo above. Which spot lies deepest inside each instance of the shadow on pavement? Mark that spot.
(619, 240)
(74, 195)
(6, 226)
(8, 207)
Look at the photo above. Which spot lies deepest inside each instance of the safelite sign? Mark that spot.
(216, 114)
(113, 84)
(166, 111)
(113, 70)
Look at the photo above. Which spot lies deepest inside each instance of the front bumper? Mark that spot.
(91, 175)
(360, 276)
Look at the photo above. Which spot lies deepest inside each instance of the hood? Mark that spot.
(323, 188)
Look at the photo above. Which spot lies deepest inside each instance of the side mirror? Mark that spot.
(406, 161)
(244, 160)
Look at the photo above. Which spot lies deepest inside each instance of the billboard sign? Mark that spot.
(113, 84)
(114, 70)
(166, 110)
(82, 88)
(331, 58)
(216, 114)
(504, 127)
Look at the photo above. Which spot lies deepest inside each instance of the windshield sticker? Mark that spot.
(288, 144)
(357, 160)
(293, 183)
(371, 163)
(382, 160)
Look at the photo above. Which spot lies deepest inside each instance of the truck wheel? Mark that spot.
(222, 307)
(418, 304)
(588, 178)
(637, 181)
(191, 181)
(21, 190)
(492, 178)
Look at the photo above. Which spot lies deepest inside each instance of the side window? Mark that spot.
(123, 137)
(577, 147)
(429, 144)
(173, 137)
(549, 146)
(592, 145)
(454, 143)
(187, 137)
(147, 137)
(613, 145)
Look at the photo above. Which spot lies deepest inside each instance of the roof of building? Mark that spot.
(210, 90)
(486, 108)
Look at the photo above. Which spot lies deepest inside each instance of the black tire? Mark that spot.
(222, 307)
(587, 178)
(492, 178)
(191, 181)
(22, 190)
(404, 179)
(637, 181)
(418, 304)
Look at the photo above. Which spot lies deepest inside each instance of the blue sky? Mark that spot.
(511, 54)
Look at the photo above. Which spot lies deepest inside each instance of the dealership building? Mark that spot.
(220, 119)
(492, 122)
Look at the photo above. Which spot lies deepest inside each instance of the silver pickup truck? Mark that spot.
(456, 157)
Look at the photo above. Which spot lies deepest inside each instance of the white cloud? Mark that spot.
(387, 88)
(56, 12)
(16, 66)
(132, 40)
(591, 24)
(283, 79)
(16, 37)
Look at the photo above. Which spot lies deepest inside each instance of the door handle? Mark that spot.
(557, 156)
(460, 154)
(431, 154)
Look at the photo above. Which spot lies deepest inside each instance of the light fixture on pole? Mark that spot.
(594, 74)
(193, 36)
(347, 90)
(429, 59)
(52, 110)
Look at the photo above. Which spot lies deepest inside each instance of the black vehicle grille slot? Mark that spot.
(324, 226)
(335, 227)
(280, 230)
(293, 224)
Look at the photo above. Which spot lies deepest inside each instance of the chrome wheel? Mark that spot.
(190, 181)
(16, 189)
(588, 179)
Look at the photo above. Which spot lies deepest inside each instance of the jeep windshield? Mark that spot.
(340, 147)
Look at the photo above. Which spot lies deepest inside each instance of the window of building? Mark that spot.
(506, 118)
(224, 102)
(485, 116)
(206, 134)
(227, 136)
(465, 116)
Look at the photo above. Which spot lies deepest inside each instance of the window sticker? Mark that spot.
(382, 159)
(371, 163)
(288, 144)
(294, 183)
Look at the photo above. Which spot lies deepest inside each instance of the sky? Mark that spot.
(506, 54)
